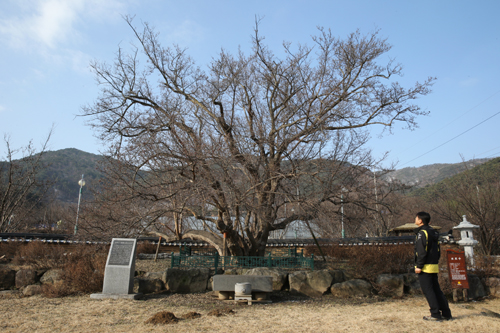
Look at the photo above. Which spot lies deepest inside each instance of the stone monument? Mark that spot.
(467, 238)
(120, 270)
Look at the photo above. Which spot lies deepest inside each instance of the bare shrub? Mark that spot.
(146, 247)
(485, 266)
(40, 255)
(367, 262)
(8, 249)
(84, 269)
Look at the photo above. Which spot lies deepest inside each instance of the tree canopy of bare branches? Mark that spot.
(252, 134)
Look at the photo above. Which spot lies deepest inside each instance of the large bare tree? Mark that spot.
(253, 133)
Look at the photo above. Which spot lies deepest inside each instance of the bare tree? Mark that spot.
(254, 132)
(476, 194)
(130, 200)
(21, 189)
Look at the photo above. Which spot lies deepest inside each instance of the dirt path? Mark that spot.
(82, 314)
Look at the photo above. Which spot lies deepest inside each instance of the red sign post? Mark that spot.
(457, 270)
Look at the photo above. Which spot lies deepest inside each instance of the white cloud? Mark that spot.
(55, 22)
(51, 23)
(469, 82)
(2, 108)
(186, 33)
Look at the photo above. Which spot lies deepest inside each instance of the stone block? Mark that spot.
(186, 281)
(280, 278)
(7, 278)
(299, 285)
(352, 288)
(391, 285)
(25, 277)
(32, 290)
(52, 276)
(314, 284)
(148, 286)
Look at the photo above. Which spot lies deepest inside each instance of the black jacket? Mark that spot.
(427, 250)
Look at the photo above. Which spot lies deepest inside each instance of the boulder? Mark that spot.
(312, 284)
(476, 288)
(299, 284)
(186, 281)
(411, 284)
(52, 276)
(493, 284)
(148, 286)
(352, 288)
(25, 277)
(320, 280)
(391, 285)
(280, 278)
(32, 290)
(7, 278)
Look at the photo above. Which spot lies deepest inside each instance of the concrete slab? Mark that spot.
(227, 282)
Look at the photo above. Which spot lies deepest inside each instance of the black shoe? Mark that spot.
(430, 318)
(447, 318)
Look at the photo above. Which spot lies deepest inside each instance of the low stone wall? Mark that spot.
(312, 284)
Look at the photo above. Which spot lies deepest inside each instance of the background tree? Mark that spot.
(254, 132)
(21, 189)
(130, 200)
(476, 194)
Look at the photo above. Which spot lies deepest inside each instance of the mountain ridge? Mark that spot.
(431, 173)
(66, 167)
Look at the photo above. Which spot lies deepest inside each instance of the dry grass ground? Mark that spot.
(82, 314)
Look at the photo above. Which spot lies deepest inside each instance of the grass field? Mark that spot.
(285, 314)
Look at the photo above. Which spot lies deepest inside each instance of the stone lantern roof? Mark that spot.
(465, 225)
(465, 228)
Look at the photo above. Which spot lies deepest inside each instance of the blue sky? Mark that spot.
(47, 45)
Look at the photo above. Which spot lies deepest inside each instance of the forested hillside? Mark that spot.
(66, 167)
(431, 174)
(489, 171)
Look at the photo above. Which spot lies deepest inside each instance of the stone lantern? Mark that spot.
(467, 239)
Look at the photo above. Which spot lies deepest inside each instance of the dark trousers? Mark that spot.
(437, 301)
